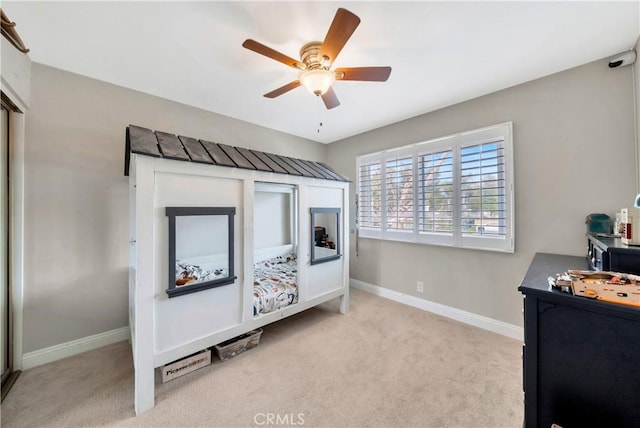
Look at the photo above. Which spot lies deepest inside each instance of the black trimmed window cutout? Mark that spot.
(200, 248)
(325, 235)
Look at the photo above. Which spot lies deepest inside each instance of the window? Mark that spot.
(370, 201)
(435, 177)
(201, 254)
(399, 194)
(325, 235)
(455, 191)
(482, 189)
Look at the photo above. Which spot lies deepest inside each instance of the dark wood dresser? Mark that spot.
(581, 357)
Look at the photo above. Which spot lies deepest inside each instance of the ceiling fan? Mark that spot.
(316, 59)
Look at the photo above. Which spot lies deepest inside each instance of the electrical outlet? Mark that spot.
(420, 286)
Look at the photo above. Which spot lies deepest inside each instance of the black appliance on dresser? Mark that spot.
(610, 254)
(581, 357)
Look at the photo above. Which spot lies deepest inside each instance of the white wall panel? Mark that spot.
(183, 319)
(325, 277)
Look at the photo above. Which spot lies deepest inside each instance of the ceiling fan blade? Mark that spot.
(281, 90)
(369, 74)
(341, 29)
(330, 99)
(258, 47)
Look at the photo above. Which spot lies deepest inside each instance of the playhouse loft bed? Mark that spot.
(224, 240)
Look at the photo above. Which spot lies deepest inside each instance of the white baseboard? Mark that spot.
(74, 347)
(470, 318)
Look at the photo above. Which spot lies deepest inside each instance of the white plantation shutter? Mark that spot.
(482, 190)
(370, 196)
(455, 191)
(435, 175)
(399, 194)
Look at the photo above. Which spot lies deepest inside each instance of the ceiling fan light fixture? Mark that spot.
(317, 81)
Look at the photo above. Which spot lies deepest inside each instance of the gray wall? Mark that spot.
(76, 196)
(574, 155)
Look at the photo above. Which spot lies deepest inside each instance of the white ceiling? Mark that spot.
(441, 53)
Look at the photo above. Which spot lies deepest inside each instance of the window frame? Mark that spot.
(172, 213)
(501, 132)
(317, 260)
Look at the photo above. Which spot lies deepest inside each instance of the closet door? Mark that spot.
(4, 247)
(6, 322)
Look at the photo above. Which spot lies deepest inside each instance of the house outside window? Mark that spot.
(454, 191)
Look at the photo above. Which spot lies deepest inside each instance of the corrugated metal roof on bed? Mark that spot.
(144, 141)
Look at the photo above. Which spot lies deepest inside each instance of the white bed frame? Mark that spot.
(166, 329)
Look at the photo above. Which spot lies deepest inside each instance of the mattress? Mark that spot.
(275, 284)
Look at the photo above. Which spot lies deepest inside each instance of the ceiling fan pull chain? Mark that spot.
(318, 113)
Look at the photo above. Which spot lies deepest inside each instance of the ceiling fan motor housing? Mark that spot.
(310, 56)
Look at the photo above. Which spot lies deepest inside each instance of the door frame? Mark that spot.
(6, 324)
(16, 232)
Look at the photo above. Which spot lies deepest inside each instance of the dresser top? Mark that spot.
(545, 265)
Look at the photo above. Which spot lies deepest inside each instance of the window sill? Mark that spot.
(410, 239)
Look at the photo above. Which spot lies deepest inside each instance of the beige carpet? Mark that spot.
(382, 365)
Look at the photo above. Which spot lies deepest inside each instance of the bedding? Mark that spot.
(189, 273)
(274, 280)
(275, 284)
